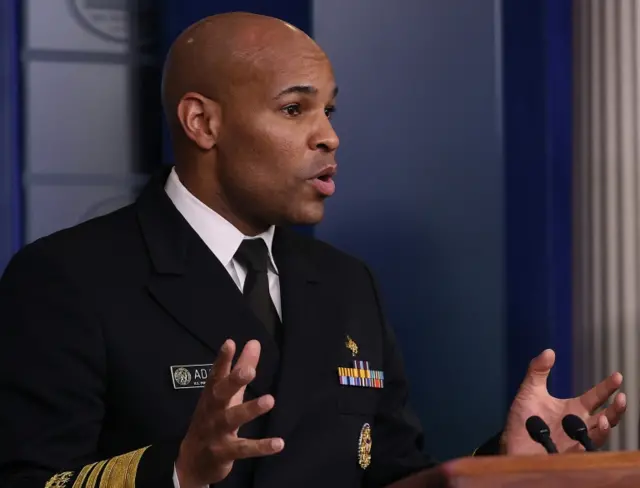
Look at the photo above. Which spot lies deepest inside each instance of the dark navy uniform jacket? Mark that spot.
(98, 318)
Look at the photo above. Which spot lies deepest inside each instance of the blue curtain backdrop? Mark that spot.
(537, 77)
(10, 187)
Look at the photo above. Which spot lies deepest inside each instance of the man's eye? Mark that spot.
(292, 110)
(329, 111)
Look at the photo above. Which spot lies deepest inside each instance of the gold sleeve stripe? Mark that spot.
(106, 475)
(132, 469)
(83, 475)
(93, 477)
(117, 469)
(474, 451)
(117, 472)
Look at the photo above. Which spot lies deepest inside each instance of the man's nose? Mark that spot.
(325, 138)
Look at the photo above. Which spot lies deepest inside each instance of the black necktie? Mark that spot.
(254, 255)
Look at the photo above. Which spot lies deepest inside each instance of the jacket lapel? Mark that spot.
(192, 286)
(310, 330)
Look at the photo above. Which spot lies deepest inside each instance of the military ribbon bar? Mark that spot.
(361, 375)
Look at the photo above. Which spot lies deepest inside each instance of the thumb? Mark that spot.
(539, 369)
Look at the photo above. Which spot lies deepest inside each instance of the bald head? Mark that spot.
(224, 51)
(249, 100)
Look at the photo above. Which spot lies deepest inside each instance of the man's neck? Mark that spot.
(210, 193)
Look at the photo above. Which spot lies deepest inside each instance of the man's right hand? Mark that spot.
(212, 444)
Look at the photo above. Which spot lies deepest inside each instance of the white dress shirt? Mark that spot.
(223, 239)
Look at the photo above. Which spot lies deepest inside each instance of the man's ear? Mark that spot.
(200, 119)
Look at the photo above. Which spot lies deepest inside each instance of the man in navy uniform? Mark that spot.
(191, 339)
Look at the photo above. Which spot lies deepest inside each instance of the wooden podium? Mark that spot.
(584, 470)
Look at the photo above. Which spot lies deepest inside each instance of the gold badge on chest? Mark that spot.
(364, 446)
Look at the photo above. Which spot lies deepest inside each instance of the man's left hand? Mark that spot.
(533, 398)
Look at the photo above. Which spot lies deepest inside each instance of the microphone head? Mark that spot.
(537, 428)
(574, 426)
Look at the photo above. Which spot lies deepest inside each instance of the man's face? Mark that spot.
(276, 146)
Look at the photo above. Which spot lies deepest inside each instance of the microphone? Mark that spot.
(539, 432)
(577, 430)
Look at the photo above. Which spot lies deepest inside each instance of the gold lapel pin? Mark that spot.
(352, 346)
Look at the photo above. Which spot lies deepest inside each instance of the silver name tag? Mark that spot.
(190, 376)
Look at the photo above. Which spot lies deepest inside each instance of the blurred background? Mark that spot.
(488, 171)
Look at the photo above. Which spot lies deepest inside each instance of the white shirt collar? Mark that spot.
(217, 233)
